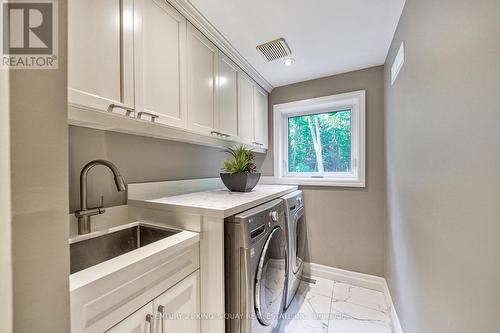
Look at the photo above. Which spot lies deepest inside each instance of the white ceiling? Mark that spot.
(326, 36)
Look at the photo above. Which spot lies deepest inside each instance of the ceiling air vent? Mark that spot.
(275, 49)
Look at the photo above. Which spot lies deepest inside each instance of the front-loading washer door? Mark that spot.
(299, 240)
(270, 278)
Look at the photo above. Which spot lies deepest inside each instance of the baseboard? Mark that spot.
(356, 279)
(341, 275)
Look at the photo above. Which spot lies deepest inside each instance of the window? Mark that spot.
(321, 141)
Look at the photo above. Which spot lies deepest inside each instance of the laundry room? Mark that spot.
(249, 166)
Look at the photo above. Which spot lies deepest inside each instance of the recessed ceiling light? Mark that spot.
(288, 61)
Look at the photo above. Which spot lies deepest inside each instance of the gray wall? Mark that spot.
(39, 189)
(139, 159)
(443, 167)
(346, 225)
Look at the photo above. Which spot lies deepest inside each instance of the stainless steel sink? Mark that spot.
(92, 251)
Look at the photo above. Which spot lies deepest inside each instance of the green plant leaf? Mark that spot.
(242, 160)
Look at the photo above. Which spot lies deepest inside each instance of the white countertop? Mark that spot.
(219, 203)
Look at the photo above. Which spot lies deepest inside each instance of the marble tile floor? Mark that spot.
(334, 307)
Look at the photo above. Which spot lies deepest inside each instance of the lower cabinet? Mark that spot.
(176, 310)
(140, 321)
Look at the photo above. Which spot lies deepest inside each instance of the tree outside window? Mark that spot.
(320, 142)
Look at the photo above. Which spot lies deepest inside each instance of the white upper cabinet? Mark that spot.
(246, 109)
(144, 60)
(100, 50)
(178, 307)
(228, 96)
(202, 58)
(252, 113)
(160, 58)
(261, 117)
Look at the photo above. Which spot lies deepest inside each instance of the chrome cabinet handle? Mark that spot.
(153, 116)
(149, 320)
(161, 311)
(129, 111)
(258, 143)
(220, 134)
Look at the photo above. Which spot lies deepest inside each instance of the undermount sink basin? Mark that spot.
(92, 251)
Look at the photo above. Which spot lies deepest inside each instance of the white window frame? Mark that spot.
(354, 101)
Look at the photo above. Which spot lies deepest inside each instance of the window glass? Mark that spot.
(320, 143)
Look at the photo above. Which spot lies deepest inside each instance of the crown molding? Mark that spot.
(201, 23)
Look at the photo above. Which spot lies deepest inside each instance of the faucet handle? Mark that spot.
(101, 206)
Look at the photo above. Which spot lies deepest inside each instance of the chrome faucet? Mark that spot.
(84, 214)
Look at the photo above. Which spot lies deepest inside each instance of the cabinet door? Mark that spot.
(228, 96)
(178, 308)
(140, 321)
(261, 117)
(100, 54)
(160, 38)
(202, 88)
(246, 109)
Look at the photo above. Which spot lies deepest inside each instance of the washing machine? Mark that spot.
(295, 228)
(255, 268)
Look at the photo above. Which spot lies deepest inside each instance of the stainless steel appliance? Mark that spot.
(295, 228)
(255, 268)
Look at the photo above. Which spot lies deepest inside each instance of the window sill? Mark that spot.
(313, 182)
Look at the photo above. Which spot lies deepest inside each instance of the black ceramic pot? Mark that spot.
(240, 181)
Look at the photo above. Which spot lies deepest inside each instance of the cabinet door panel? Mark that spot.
(228, 96)
(261, 117)
(136, 322)
(246, 109)
(160, 61)
(179, 306)
(202, 90)
(100, 53)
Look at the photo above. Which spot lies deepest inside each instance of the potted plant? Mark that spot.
(240, 172)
